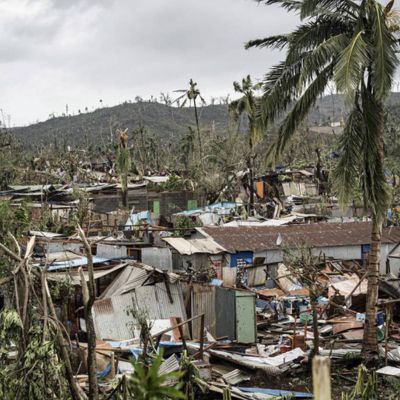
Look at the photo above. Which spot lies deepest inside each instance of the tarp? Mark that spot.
(277, 392)
(135, 218)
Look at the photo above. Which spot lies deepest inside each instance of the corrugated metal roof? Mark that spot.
(168, 309)
(111, 317)
(235, 239)
(75, 277)
(194, 246)
(75, 263)
(154, 301)
(171, 364)
(130, 278)
(268, 222)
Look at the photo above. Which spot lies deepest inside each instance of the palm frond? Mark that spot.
(384, 59)
(375, 188)
(290, 5)
(301, 108)
(322, 55)
(273, 42)
(311, 8)
(311, 34)
(351, 65)
(279, 89)
(347, 172)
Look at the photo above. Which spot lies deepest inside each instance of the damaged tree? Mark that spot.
(43, 366)
(123, 164)
(306, 268)
(248, 105)
(352, 44)
(89, 296)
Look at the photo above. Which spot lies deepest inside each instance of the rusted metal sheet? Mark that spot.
(235, 239)
(203, 301)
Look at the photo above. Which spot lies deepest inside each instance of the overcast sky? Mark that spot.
(76, 52)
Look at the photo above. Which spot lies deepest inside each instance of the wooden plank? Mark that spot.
(321, 373)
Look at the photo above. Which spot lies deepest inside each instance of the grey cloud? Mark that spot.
(79, 51)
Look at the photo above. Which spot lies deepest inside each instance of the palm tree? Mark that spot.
(123, 164)
(351, 43)
(247, 105)
(192, 95)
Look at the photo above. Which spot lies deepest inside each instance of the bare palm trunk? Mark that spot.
(251, 171)
(314, 310)
(251, 181)
(124, 190)
(196, 115)
(370, 343)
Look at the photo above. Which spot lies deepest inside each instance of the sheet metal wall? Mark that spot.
(246, 331)
(158, 257)
(111, 251)
(111, 317)
(203, 301)
(225, 313)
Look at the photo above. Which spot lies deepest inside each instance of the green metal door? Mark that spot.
(245, 317)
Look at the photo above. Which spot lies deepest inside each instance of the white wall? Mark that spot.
(340, 253)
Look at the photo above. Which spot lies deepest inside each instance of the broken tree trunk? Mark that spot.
(313, 300)
(89, 296)
(75, 390)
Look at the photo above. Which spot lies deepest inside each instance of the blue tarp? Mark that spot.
(277, 392)
(226, 206)
(79, 262)
(103, 374)
(135, 218)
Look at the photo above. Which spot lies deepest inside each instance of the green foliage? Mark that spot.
(366, 387)
(37, 373)
(13, 219)
(184, 224)
(10, 331)
(61, 290)
(190, 378)
(147, 384)
(82, 212)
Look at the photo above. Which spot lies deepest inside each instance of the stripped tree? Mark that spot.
(247, 105)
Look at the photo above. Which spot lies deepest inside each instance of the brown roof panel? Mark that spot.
(244, 238)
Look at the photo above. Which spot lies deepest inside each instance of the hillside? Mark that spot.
(164, 121)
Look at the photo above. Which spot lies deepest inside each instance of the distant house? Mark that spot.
(262, 246)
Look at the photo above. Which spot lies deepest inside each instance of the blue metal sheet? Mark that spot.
(277, 392)
(247, 256)
(79, 262)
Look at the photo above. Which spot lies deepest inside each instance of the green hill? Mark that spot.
(165, 122)
(162, 120)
